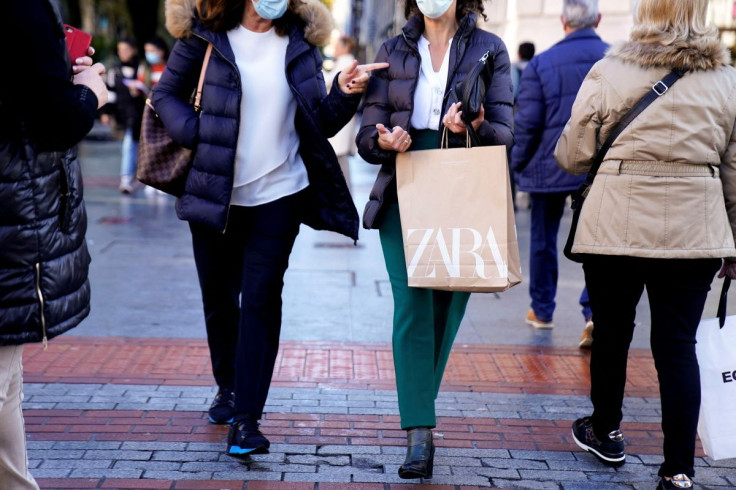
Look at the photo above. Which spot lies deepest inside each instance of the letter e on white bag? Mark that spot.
(716, 349)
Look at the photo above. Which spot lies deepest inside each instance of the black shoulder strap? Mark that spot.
(722, 302)
(658, 89)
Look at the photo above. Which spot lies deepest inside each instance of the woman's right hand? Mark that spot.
(92, 78)
(728, 269)
(396, 139)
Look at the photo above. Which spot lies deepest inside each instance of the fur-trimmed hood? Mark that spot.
(180, 19)
(699, 54)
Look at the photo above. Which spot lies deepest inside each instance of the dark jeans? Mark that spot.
(547, 209)
(241, 275)
(677, 290)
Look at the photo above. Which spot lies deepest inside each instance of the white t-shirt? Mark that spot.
(267, 161)
(430, 89)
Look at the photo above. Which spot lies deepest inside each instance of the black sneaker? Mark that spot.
(244, 438)
(609, 452)
(223, 407)
(677, 481)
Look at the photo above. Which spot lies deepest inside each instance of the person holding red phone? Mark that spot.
(46, 107)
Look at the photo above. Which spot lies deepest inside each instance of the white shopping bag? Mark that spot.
(716, 349)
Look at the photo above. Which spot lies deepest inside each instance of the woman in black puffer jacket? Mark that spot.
(262, 166)
(44, 111)
(439, 45)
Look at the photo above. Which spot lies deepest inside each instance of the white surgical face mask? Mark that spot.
(153, 58)
(433, 8)
(270, 9)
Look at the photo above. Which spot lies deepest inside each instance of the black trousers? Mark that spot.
(241, 274)
(677, 290)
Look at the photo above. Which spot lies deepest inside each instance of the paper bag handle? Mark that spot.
(446, 139)
(722, 302)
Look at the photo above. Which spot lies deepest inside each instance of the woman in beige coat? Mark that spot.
(660, 214)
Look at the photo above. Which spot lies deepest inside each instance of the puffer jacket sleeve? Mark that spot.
(728, 176)
(337, 107)
(497, 127)
(377, 110)
(178, 82)
(529, 120)
(578, 143)
(58, 113)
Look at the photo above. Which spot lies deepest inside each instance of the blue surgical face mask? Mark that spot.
(270, 9)
(153, 58)
(433, 8)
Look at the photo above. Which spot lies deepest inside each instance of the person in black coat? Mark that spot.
(406, 106)
(45, 109)
(262, 165)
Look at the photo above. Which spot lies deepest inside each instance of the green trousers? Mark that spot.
(426, 322)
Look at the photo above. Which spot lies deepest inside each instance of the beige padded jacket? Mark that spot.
(667, 187)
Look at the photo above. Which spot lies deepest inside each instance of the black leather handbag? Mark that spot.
(472, 92)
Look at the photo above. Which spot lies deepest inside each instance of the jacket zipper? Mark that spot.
(240, 91)
(41, 304)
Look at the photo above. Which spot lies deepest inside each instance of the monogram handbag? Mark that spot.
(162, 162)
(658, 89)
(472, 92)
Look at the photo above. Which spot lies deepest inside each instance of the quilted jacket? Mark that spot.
(547, 90)
(213, 132)
(44, 290)
(390, 96)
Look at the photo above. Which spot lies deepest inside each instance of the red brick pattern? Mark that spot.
(498, 369)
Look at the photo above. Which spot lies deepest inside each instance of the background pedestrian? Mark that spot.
(127, 102)
(546, 94)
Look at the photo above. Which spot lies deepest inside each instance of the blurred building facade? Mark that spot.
(516, 21)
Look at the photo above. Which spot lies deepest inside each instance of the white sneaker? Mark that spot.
(126, 184)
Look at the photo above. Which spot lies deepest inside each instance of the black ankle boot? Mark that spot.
(419, 461)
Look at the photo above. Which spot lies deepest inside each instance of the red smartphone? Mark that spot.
(77, 42)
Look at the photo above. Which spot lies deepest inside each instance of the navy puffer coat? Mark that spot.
(44, 290)
(213, 132)
(547, 90)
(390, 96)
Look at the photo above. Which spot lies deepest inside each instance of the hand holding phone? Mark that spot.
(77, 42)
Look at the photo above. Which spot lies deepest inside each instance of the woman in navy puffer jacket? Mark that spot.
(406, 106)
(262, 165)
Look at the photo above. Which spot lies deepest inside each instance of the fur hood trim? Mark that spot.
(180, 19)
(699, 54)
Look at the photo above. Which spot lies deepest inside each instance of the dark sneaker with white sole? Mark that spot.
(609, 451)
(677, 481)
(223, 407)
(245, 439)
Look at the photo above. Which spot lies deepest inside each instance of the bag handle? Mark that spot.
(657, 90)
(200, 84)
(445, 145)
(723, 301)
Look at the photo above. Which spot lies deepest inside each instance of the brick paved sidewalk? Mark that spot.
(130, 413)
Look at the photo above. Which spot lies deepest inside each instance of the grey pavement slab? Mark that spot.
(322, 401)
